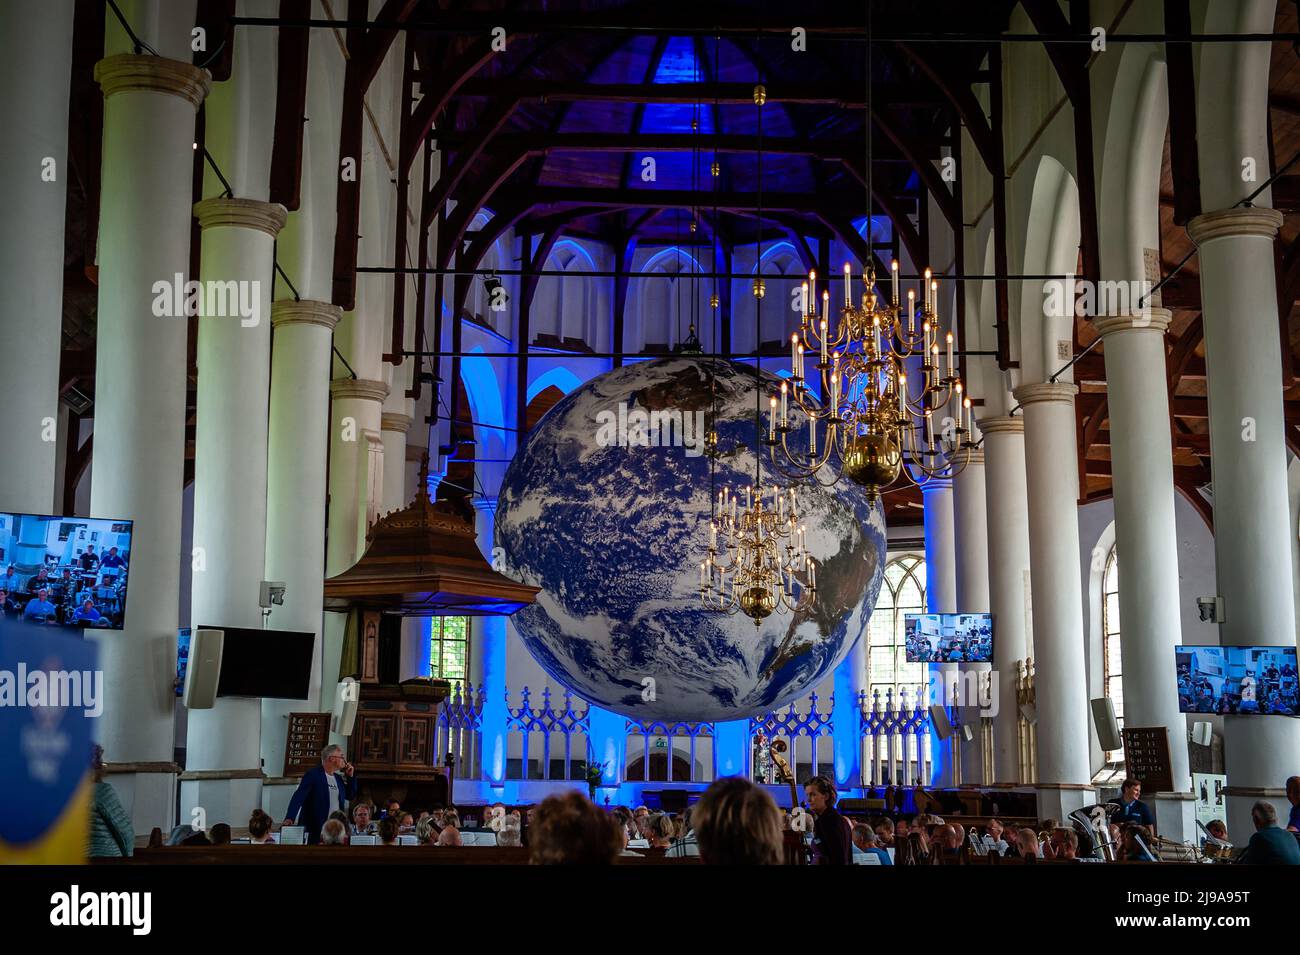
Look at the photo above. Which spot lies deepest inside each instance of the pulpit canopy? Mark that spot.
(424, 561)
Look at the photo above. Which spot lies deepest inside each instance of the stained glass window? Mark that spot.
(449, 648)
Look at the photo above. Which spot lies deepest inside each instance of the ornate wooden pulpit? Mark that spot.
(420, 561)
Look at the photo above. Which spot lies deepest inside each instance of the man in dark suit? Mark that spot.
(1270, 845)
(324, 789)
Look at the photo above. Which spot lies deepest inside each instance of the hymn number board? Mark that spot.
(308, 733)
(1146, 758)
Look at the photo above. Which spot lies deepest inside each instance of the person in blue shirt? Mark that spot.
(1270, 845)
(864, 845)
(39, 608)
(1132, 810)
(111, 565)
(87, 613)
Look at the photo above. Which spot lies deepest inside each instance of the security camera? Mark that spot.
(271, 593)
(1210, 609)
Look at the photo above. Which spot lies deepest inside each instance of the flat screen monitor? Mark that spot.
(265, 663)
(948, 637)
(64, 571)
(1249, 681)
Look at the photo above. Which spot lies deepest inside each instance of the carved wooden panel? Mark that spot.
(376, 738)
(415, 740)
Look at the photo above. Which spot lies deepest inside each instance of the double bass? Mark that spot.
(795, 849)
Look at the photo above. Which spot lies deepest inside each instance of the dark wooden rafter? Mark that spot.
(1071, 63)
(293, 44)
(1181, 79)
(213, 17)
(366, 51)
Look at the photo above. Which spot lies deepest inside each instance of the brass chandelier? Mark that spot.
(867, 420)
(864, 418)
(758, 561)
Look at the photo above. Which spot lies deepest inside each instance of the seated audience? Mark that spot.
(915, 849)
(1061, 844)
(1217, 829)
(1028, 843)
(39, 608)
(864, 845)
(450, 836)
(885, 833)
(425, 832)
(737, 823)
(361, 824)
(196, 839)
(1132, 846)
(333, 833)
(685, 844)
(111, 831)
(405, 821)
(661, 830)
(394, 807)
(220, 834)
(387, 828)
(510, 835)
(259, 828)
(1270, 845)
(570, 830)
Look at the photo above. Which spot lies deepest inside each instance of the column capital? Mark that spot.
(936, 484)
(128, 73)
(219, 212)
(1002, 424)
(488, 505)
(1153, 318)
(305, 312)
(974, 459)
(395, 421)
(1045, 391)
(358, 388)
(1245, 221)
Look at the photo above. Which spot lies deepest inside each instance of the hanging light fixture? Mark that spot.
(849, 389)
(757, 562)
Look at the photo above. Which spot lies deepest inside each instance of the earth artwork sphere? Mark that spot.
(610, 517)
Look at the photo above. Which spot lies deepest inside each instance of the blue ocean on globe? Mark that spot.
(613, 533)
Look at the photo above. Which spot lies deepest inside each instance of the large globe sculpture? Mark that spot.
(613, 533)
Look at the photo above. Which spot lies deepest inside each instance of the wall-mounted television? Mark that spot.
(265, 663)
(948, 637)
(64, 571)
(1243, 681)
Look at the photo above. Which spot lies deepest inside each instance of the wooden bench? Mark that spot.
(352, 855)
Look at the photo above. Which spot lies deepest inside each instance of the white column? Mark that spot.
(489, 653)
(1252, 527)
(35, 74)
(297, 450)
(940, 597)
(223, 773)
(1051, 466)
(354, 417)
(1009, 586)
(972, 552)
(1146, 539)
(144, 228)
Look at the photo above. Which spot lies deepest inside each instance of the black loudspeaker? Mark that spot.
(1103, 718)
(939, 719)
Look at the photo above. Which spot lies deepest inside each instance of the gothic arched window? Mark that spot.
(902, 592)
(1111, 660)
